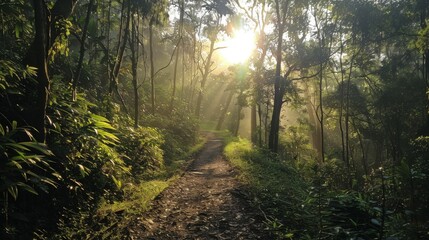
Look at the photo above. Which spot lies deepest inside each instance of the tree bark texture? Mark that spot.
(273, 141)
(46, 31)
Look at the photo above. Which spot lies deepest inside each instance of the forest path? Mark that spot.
(207, 202)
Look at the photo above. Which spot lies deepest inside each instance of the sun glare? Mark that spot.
(239, 48)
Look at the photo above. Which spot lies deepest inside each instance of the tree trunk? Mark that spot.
(152, 68)
(176, 63)
(253, 124)
(321, 117)
(47, 30)
(273, 140)
(224, 110)
(237, 123)
(260, 125)
(82, 46)
(120, 55)
(207, 66)
(315, 133)
(35, 115)
(173, 95)
(134, 46)
(256, 96)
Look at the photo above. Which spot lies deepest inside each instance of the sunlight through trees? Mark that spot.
(100, 99)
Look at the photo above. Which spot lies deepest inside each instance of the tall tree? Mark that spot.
(176, 61)
(134, 42)
(48, 27)
(207, 64)
(122, 43)
(258, 13)
(82, 45)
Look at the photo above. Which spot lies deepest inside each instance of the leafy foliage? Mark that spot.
(11, 74)
(143, 148)
(24, 166)
(265, 175)
(180, 131)
(83, 141)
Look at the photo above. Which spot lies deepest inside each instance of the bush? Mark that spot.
(86, 158)
(84, 144)
(142, 148)
(24, 166)
(180, 130)
(275, 187)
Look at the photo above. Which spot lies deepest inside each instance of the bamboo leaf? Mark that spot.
(38, 146)
(13, 191)
(27, 188)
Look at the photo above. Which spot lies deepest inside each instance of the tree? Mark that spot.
(122, 42)
(47, 24)
(134, 43)
(212, 27)
(257, 12)
(290, 15)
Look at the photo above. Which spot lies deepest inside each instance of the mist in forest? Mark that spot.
(322, 107)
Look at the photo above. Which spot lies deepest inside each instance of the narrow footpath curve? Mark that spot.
(207, 202)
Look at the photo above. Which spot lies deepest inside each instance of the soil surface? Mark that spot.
(207, 202)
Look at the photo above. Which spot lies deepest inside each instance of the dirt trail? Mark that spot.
(207, 202)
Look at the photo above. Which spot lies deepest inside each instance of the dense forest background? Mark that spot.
(102, 103)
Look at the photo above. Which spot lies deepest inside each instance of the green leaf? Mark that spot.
(99, 118)
(377, 209)
(16, 164)
(117, 182)
(13, 191)
(17, 146)
(108, 135)
(17, 31)
(27, 188)
(375, 222)
(83, 170)
(39, 147)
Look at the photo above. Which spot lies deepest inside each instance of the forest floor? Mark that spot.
(207, 202)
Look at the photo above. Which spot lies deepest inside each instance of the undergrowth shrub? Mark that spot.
(180, 130)
(84, 144)
(24, 168)
(91, 169)
(142, 148)
(275, 186)
(337, 214)
(306, 208)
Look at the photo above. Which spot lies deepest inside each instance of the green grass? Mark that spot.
(275, 187)
(138, 198)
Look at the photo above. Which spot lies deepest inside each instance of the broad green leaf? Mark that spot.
(99, 118)
(108, 135)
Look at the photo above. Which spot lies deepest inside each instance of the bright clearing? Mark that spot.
(239, 48)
